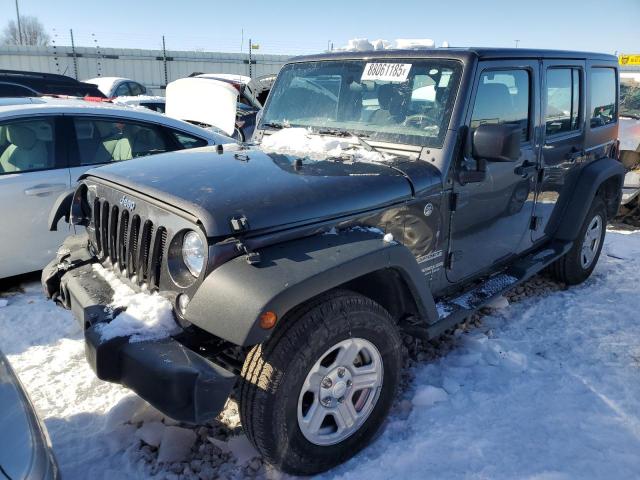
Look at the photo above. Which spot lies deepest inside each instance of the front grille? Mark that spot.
(130, 243)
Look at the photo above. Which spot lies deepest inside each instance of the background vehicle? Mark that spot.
(26, 448)
(46, 144)
(118, 87)
(630, 147)
(155, 103)
(248, 104)
(14, 83)
(291, 267)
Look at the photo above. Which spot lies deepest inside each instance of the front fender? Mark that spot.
(588, 183)
(231, 299)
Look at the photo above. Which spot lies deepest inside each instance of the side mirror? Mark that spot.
(497, 142)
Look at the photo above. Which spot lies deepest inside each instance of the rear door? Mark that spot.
(33, 173)
(562, 137)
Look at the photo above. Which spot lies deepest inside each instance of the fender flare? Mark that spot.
(231, 299)
(587, 185)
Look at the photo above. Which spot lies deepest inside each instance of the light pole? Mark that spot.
(517, 42)
(19, 26)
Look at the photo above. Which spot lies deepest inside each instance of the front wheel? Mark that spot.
(576, 266)
(318, 391)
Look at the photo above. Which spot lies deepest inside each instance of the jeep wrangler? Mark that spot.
(421, 185)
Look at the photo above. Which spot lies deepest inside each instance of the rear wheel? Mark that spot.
(317, 392)
(576, 266)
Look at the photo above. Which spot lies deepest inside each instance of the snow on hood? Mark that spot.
(147, 316)
(203, 100)
(302, 142)
(364, 45)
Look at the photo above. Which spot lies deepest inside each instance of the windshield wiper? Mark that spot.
(344, 133)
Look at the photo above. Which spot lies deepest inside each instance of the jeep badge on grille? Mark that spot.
(127, 203)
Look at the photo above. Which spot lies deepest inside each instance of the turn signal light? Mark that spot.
(268, 320)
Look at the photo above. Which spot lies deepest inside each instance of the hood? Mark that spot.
(203, 100)
(268, 189)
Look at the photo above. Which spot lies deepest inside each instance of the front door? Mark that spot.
(33, 172)
(493, 217)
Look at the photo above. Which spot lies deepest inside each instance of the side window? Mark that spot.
(563, 100)
(188, 141)
(122, 90)
(603, 96)
(503, 98)
(136, 89)
(102, 141)
(27, 145)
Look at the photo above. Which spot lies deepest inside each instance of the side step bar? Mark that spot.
(455, 310)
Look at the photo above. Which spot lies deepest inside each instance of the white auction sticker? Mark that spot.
(386, 72)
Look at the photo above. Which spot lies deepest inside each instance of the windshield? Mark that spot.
(630, 99)
(398, 101)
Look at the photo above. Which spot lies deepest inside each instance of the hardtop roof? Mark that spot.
(465, 54)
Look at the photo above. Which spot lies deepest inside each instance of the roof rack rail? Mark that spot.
(40, 75)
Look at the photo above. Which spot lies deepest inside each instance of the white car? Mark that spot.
(152, 102)
(118, 87)
(47, 143)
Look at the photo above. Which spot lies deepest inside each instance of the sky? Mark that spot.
(297, 27)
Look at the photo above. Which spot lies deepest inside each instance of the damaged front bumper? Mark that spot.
(173, 378)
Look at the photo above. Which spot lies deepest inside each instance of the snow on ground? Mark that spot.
(545, 388)
(304, 143)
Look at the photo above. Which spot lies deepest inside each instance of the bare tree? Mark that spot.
(33, 32)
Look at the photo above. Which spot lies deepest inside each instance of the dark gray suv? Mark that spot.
(391, 191)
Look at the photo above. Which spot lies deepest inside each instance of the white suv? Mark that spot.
(46, 144)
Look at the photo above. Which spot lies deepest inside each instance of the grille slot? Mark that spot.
(129, 242)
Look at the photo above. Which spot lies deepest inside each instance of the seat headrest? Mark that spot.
(493, 102)
(21, 136)
(385, 93)
(43, 130)
(84, 129)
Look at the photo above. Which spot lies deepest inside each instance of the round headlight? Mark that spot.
(193, 253)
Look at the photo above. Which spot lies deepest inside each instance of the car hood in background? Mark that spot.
(203, 100)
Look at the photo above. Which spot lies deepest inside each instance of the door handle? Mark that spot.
(525, 169)
(45, 189)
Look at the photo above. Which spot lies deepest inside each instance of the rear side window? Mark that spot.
(503, 98)
(563, 100)
(136, 89)
(122, 90)
(114, 140)
(27, 145)
(603, 96)
(188, 141)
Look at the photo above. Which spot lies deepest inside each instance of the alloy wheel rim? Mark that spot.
(340, 391)
(591, 242)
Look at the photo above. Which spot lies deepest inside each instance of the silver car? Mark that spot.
(47, 143)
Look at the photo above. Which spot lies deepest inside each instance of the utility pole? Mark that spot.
(517, 42)
(250, 48)
(164, 60)
(19, 24)
(75, 58)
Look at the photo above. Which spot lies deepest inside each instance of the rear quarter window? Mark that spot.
(603, 105)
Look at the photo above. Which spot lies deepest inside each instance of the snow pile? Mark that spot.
(302, 142)
(147, 316)
(364, 45)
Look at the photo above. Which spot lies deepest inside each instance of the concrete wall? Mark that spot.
(145, 66)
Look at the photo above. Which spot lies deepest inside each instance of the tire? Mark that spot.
(572, 268)
(273, 407)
